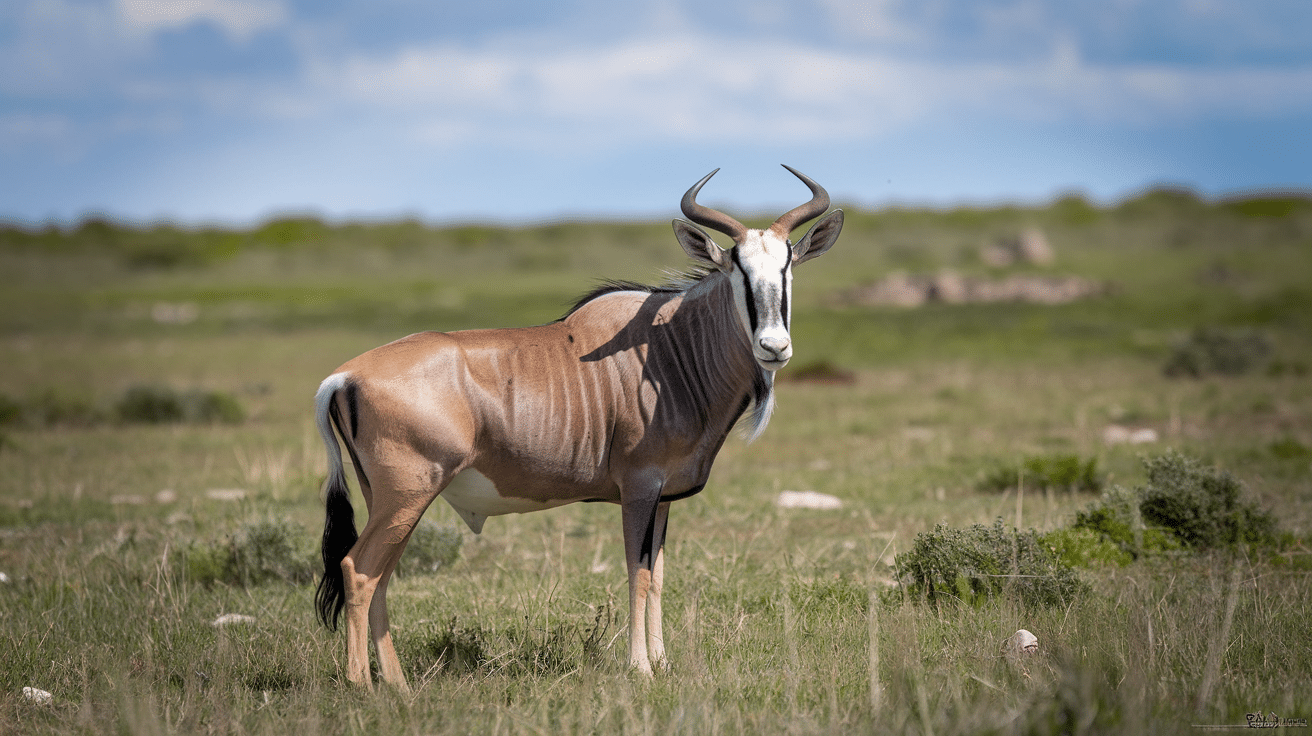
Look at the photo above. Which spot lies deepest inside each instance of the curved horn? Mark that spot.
(798, 215)
(710, 218)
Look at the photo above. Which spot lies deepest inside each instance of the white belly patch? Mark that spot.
(475, 497)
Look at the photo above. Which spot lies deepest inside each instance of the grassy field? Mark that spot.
(115, 532)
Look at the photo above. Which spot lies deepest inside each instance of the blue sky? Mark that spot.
(234, 110)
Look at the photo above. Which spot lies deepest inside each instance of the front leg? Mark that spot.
(655, 635)
(640, 511)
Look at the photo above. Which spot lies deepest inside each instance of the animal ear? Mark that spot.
(699, 245)
(820, 238)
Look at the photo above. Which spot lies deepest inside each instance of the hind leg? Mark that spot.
(389, 665)
(367, 569)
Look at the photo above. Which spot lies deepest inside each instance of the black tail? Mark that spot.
(339, 521)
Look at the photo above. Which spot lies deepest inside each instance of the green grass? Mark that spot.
(770, 614)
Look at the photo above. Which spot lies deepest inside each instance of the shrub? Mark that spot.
(10, 410)
(206, 563)
(164, 405)
(1288, 448)
(1213, 351)
(1051, 471)
(1184, 504)
(1200, 504)
(142, 404)
(270, 550)
(210, 407)
(1117, 519)
(431, 548)
(563, 646)
(1082, 547)
(979, 562)
(51, 407)
(149, 405)
(460, 648)
(256, 553)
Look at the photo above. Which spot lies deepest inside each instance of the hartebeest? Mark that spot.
(626, 399)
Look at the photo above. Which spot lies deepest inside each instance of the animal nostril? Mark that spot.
(775, 345)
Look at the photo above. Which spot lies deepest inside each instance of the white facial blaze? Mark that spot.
(762, 285)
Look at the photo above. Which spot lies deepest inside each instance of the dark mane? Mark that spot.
(676, 283)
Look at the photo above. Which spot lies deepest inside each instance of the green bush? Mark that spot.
(1213, 351)
(1064, 472)
(1083, 547)
(459, 648)
(164, 405)
(1288, 448)
(1200, 504)
(979, 562)
(256, 553)
(142, 404)
(11, 412)
(271, 550)
(212, 407)
(207, 563)
(149, 405)
(1184, 504)
(1116, 519)
(51, 407)
(431, 548)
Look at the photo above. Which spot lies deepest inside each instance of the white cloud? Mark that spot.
(61, 48)
(868, 20)
(22, 129)
(56, 45)
(688, 87)
(238, 19)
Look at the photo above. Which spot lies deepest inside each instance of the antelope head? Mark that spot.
(760, 265)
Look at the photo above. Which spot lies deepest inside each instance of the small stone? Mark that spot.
(38, 696)
(807, 500)
(229, 619)
(1143, 436)
(1115, 434)
(1023, 642)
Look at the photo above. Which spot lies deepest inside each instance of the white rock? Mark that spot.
(225, 494)
(807, 500)
(228, 619)
(166, 313)
(1115, 434)
(168, 495)
(1023, 642)
(1143, 436)
(38, 696)
(4, 578)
